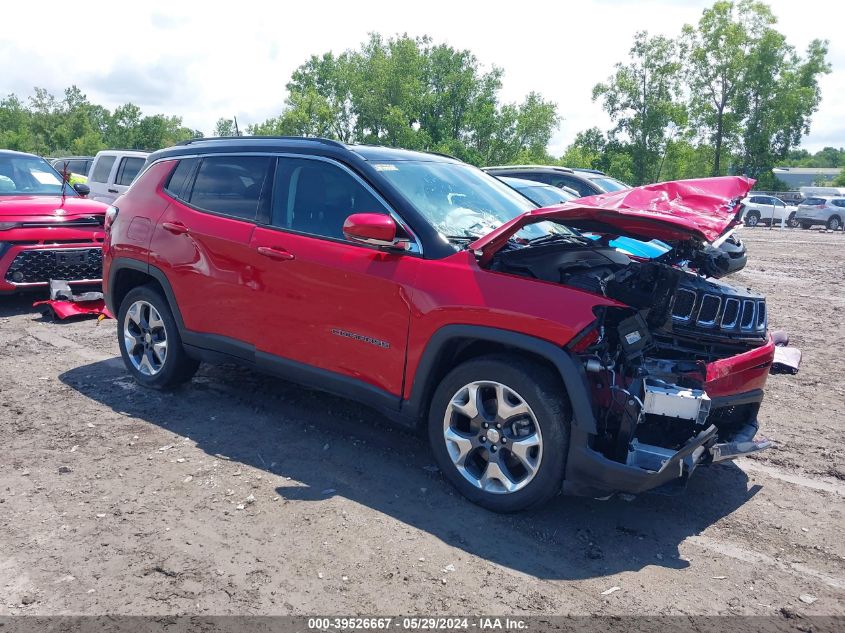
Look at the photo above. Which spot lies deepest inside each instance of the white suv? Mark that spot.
(112, 172)
(826, 210)
(762, 209)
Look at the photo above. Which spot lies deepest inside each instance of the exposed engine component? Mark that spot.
(672, 401)
(647, 362)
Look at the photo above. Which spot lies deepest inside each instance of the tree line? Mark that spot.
(726, 95)
(72, 125)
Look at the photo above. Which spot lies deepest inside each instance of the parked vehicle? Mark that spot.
(761, 209)
(546, 195)
(112, 172)
(47, 230)
(417, 284)
(825, 210)
(74, 164)
(586, 182)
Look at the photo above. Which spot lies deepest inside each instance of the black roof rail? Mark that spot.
(315, 139)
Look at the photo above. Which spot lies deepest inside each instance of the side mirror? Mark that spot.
(82, 189)
(374, 229)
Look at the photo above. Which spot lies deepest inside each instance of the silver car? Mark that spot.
(826, 210)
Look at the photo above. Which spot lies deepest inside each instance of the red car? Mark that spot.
(539, 360)
(47, 229)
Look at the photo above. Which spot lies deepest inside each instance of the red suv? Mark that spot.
(47, 229)
(539, 359)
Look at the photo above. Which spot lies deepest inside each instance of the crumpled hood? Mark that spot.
(679, 210)
(45, 206)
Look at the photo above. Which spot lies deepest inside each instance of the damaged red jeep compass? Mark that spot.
(539, 358)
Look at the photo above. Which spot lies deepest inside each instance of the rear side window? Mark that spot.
(102, 168)
(230, 185)
(316, 197)
(839, 203)
(814, 202)
(129, 168)
(176, 184)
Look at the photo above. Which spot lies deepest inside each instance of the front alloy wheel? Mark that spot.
(499, 431)
(145, 338)
(492, 437)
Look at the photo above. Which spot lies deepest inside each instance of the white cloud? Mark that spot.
(205, 60)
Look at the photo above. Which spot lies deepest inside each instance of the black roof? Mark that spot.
(311, 145)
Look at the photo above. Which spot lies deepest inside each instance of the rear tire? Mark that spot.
(149, 340)
(499, 431)
(752, 218)
(791, 222)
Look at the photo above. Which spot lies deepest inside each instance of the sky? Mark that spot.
(205, 60)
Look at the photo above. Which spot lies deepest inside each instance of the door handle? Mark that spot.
(278, 254)
(113, 191)
(177, 228)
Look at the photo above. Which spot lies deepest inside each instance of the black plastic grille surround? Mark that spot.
(718, 309)
(40, 266)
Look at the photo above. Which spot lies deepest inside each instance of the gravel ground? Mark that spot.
(243, 494)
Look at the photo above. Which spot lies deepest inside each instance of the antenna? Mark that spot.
(237, 131)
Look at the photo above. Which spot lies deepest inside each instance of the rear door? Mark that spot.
(127, 168)
(202, 243)
(324, 301)
(99, 181)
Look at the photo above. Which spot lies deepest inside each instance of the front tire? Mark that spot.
(752, 218)
(834, 223)
(149, 340)
(499, 431)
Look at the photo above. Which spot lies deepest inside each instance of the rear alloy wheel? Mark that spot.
(752, 218)
(149, 340)
(791, 222)
(145, 338)
(499, 430)
(834, 223)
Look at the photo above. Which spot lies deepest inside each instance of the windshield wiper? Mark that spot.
(556, 237)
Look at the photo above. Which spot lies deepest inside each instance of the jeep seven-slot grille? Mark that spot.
(699, 309)
(68, 264)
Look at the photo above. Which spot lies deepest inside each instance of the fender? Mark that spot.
(573, 375)
(122, 263)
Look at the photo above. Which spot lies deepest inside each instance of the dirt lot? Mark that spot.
(244, 494)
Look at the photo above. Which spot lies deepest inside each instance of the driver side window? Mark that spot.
(315, 197)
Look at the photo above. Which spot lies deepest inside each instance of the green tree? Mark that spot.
(224, 127)
(642, 98)
(780, 93)
(412, 93)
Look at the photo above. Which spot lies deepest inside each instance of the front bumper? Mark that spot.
(735, 385)
(25, 266)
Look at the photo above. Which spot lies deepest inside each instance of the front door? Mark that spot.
(326, 302)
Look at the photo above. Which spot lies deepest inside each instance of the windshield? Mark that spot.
(29, 175)
(610, 184)
(458, 200)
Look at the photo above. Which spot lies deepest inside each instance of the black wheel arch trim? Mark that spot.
(573, 375)
(123, 263)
